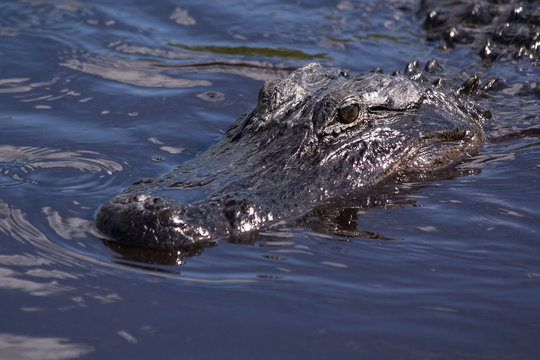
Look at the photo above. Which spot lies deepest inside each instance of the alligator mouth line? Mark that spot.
(437, 151)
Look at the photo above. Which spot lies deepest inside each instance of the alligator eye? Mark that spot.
(348, 114)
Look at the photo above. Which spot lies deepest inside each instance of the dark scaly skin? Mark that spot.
(497, 29)
(317, 135)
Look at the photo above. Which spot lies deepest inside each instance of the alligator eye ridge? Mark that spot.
(348, 114)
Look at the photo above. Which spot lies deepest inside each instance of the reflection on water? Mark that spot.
(9, 280)
(70, 228)
(460, 281)
(26, 90)
(337, 220)
(53, 269)
(153, 72)
(138, 257)
(18, 85)
(27, 164)
(44, 348)
(66, 5)
(257, 70)
(14, 224)
(129, 72)
(181, 17)
(343, 217)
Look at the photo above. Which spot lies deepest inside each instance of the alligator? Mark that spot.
(317, 135)
(496, 29)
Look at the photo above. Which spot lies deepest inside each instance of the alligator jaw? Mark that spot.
(439, 151)
(148, 221)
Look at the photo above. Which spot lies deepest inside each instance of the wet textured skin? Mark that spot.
(498, 29)
(318, 135)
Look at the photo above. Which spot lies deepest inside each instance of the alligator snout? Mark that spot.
(148, 221)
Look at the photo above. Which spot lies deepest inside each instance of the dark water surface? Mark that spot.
(97, 94)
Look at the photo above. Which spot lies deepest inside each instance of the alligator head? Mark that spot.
(317, 135)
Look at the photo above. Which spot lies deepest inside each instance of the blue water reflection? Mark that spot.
(96, 94)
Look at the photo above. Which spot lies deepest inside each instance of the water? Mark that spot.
(95, 95)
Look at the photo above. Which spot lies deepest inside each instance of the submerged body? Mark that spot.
(317, 135)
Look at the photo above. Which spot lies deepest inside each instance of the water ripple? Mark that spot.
(71, 250)
(53, 168)
(138, 73)
(20, 85)
(28, 347)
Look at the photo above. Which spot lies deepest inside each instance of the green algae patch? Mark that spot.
(253, 51)
(395, 39)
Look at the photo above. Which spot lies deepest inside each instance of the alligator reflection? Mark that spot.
(341, 223)
(340, 219)
(137, 257)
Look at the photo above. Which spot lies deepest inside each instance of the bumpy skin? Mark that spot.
(297, 149)
(499, 29)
